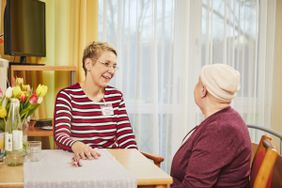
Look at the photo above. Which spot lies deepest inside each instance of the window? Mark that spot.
(162, 46)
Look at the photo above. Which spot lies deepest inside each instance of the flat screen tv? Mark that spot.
(24, 28)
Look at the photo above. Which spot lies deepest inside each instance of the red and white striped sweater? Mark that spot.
(77, 117)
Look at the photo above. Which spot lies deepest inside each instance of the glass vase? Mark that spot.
(14, 136)
(25, 125)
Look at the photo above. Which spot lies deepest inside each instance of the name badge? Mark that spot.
(107, 109)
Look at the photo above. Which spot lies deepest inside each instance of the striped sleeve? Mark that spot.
(125, 136)
(62, 121)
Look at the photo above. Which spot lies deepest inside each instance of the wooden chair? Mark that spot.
(273, 133)
(157, 159)
(262, 164)
(277, 173)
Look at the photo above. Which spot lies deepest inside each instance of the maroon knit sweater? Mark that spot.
(76, 117)
(217, 154)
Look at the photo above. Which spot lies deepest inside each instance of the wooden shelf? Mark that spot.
(71, 69)
(35, 131)
(13, 68)
(41, 68)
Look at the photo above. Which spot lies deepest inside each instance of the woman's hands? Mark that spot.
(84, 151)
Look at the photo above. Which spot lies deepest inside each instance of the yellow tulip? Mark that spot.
(17, 92)
(26, 87)
(3, 112)
(19, 81)
(41, 90)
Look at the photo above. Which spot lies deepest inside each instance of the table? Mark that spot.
(146, 173)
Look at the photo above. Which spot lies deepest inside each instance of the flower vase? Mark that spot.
(25, 125)
(14, 136)
(2, 149)
(2, 124)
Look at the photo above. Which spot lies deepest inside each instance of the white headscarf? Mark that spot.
(221, 80)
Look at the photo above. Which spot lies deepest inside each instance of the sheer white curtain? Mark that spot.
(162, 45)
(143, 33)
(241, 33)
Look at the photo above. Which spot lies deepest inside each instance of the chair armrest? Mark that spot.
(157, 159)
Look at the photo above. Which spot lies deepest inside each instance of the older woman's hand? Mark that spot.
(84, 151)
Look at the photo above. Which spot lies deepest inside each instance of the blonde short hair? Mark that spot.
(94, 51)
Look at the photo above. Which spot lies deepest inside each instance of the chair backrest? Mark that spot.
(277, 173)
(272, 132)
(262, 165)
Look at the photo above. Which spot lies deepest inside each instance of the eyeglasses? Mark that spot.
(109, 65)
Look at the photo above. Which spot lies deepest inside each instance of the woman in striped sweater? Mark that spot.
(91, 114)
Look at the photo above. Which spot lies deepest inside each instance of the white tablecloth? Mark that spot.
(55, 170)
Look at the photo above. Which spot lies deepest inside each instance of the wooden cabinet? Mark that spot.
(15, 68)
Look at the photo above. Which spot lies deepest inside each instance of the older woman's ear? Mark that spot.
(204, 92)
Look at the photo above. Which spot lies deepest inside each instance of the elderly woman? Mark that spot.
(91, 114)
(217, 152)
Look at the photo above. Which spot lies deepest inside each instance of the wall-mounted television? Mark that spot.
(24, 28)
